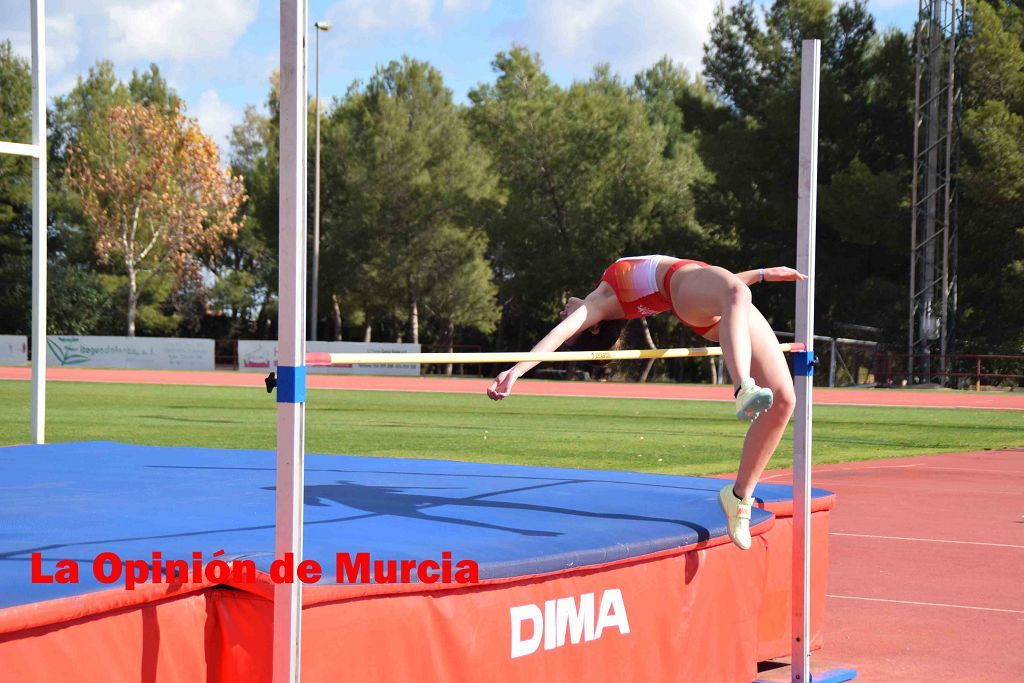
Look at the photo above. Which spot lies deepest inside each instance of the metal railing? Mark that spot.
(960, 371)
(845, 367)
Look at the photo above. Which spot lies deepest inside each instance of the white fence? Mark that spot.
(150, 353)
(13, 349)
(261, 356)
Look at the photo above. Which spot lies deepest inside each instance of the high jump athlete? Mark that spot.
(716, 304)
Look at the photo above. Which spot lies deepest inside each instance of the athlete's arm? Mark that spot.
(595, 308)
(776, 274)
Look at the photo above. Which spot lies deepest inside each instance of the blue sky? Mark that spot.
(218, 54)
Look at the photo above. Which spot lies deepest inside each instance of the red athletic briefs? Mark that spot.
(635, 285)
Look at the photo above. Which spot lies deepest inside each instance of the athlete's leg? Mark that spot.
(770, 370)
(702, 294)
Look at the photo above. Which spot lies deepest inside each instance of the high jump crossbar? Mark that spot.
(334, 359)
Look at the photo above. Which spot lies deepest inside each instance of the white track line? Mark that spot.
(871, 467)
(837, 483)
(973, 469)
(927, 604)
(822, 471)
(915, 405)
(928, 540)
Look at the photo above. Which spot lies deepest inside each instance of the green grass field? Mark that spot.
(629, 434)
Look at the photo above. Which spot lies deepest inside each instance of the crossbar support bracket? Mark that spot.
(804, 363)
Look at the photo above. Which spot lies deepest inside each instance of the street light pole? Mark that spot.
(315, 285)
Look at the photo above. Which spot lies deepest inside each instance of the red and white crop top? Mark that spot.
(634, 280)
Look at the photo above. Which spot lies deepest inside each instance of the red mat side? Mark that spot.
(701, 614)
(774, 630)
(168, 640)
(674, 622)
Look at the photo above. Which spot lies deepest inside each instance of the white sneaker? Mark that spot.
(737, 512)
(752, 400)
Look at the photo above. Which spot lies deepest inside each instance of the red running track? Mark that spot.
(432, 383)
(925, 568)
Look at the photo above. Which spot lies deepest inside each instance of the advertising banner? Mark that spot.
(261, 356)
(13, 349)
(149, 353)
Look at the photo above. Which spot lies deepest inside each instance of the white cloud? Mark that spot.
(215, 117)
(460, 8)
(169, 32)
(631, 36)
(366, 19)
(182, 30)
(62, 47)
(16, 26)
(62, 43)
(21, 42)
(60, 86)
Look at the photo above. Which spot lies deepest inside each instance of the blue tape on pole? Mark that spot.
(291, 384)
(803, 363)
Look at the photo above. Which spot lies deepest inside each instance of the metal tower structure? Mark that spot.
(933, 232)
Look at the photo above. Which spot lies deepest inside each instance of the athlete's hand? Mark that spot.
(571, 305)
(502, 386)
(782, 274)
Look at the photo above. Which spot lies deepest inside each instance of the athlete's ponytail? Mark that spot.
(607, 337)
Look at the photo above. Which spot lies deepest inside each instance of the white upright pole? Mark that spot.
(291, 390)
(38, 415)
(314, 289)
(803, 363)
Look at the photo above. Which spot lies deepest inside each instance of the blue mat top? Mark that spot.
(76, 500)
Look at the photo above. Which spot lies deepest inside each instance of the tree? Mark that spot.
(865, 138)
(15, 126)
(151, 89)
(153, 194)
(460, 290)
(15, 192)
(677, 101)
(400, 173)
(73, 260)
(247, 268)
(75, 299)
(991, 265)
(590, 174)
